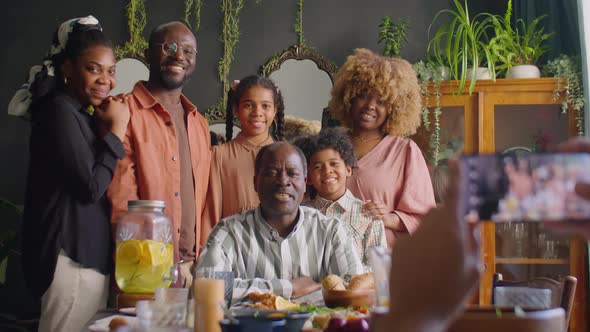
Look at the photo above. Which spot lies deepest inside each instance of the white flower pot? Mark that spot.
(482, 73)
(523, 71)
(444, 72)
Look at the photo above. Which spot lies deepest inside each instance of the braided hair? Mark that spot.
(233, 100)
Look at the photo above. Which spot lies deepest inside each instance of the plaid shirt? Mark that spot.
(365, 231)
(263, 261)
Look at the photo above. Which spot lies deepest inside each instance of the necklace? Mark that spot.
(259, 144)
(367, 139)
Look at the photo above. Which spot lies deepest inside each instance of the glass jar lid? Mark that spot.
(147, 203)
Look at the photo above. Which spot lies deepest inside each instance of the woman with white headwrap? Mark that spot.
(77, 131)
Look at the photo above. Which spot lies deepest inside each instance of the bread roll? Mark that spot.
(333, 282)
(362, 281)
(117, 322)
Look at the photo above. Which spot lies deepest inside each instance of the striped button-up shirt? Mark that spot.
(365, 231)
(263, 261)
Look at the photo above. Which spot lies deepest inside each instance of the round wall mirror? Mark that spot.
(129, 71)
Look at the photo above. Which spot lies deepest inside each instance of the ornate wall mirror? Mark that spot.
(305, 79)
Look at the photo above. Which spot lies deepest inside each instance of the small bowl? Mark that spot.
(229, 326)
(349, 298)
(296, 320)
(260, 320)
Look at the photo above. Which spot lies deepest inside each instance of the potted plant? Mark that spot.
(462, 42)
(569, 81)
(394, 35)
(519, 48)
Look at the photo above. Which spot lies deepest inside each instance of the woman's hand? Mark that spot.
(113, 115)
(379, 210)
(186, 274)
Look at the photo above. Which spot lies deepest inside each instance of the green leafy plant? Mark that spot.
(298, 27)
(394, 35)
(568, 72)
(462, 42)
(518, 45)
(429, 73)
(230, 34)
(193, 7)
(136, 20)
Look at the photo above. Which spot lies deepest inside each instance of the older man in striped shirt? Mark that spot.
(280, 247)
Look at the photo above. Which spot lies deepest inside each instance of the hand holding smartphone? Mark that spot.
(532, 187)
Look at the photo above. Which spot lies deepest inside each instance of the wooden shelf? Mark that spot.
(557, 261)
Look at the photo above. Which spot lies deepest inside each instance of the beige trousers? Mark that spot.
(74, 296)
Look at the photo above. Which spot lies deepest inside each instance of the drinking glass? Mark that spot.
(208, 303)
(550, 249)
(520, 235)
(155, 314)
(226, 276)
(381, 263)
(171, 295)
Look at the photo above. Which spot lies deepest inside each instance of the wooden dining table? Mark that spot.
(474, 318)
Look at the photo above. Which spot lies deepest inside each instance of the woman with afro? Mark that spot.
(378, 99)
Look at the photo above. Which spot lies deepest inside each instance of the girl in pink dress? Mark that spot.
(378, 99)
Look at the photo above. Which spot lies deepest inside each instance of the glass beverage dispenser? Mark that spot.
(144, 250)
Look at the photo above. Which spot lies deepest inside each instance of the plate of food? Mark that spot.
(270, 301)
(267, 307)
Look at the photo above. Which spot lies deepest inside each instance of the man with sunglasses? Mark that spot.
(167, 143)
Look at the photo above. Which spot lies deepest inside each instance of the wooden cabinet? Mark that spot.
(496, 116)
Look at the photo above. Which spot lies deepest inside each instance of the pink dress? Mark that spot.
(395, 172)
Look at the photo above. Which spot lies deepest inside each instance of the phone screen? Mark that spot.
(530, 187)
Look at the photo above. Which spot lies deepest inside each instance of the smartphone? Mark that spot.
(524, 187)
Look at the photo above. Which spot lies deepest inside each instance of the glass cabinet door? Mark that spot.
(526, 250)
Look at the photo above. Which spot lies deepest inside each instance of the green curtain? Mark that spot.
(562, 19)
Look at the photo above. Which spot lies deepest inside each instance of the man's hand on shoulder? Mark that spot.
(303, 286)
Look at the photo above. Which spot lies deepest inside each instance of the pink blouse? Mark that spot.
(395, 172)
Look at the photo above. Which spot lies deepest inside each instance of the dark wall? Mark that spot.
(333, 27)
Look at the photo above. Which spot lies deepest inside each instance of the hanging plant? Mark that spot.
(428, 73)
(136, 20)
(298, 27)
(192, 7)
(299, 51)
(230, 34)
(569, 81)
